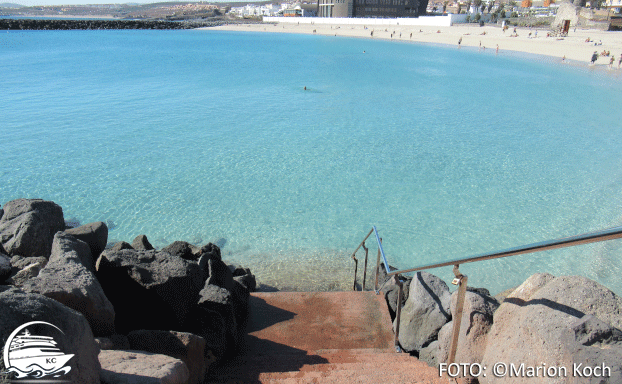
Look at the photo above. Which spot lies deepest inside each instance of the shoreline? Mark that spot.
(573, 47)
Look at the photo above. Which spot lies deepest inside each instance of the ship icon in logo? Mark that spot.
(33, 356)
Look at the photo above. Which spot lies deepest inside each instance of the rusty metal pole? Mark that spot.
(461, 281)
(356, 266)
(398, 312)
(365, 269)
(377, 271)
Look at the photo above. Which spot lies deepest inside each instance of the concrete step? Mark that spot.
(321, 337)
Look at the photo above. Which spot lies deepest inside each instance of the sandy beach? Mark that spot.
(574, 47)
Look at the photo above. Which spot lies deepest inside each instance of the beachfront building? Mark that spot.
(335, 8)
(372, 8)
(254, 10)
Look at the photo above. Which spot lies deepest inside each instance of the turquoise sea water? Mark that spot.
(209, 136)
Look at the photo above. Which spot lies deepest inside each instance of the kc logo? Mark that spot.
(28, 355)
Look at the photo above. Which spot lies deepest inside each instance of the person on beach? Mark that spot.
(620, 62)
(594, 58)
(611, 61)
(497, 51)
(460, 41)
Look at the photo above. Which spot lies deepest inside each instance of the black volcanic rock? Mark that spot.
(149, 289)
(60, 24)
(121, 245)
(222, 301)
(18, 307)
(140, 243)
(94, 234)
(181, 249)
(5, 267)
(69, 279)
(28, 226)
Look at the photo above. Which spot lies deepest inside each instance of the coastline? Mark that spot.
(573, 47)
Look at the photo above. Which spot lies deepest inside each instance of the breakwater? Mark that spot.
(63, 24)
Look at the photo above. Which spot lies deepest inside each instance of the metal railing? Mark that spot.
(460, 279)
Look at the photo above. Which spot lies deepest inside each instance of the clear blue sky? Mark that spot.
(30, 3)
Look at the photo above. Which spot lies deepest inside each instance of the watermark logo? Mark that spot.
(35, 356)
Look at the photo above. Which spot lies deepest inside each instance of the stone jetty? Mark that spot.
(67, 24)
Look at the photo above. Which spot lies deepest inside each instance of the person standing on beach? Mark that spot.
(594, 58)
(459, 41)
(611, 61)
(620, 62)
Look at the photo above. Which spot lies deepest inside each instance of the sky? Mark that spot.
(31, 3)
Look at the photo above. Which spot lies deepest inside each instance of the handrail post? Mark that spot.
(398, 312)
(461, 281)
(377, 270)
(356, 262)
(356, 266)
(365, 269)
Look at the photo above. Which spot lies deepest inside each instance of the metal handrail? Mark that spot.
(379, 240)
(586, 238)
(461, 280)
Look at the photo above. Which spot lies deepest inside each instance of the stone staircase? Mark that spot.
(321, 337)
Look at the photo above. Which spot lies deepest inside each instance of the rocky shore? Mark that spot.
(133, 314)
(564, 329)
(62, 24)
(160, 314)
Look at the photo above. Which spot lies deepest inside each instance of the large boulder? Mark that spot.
(134, 367)
(390, 290)
(67, 280)
(557, 322)
(247, 281)
(184, 346)
(141, 243)
(94, 234)
(20, 262)
(26, 274)
(121, 245)
(210, 251)
(476, 321)
(116, 342)
(218, 299)
(149, 289)
(18, 308)
(28, 226)
(5, 267)
(426, 311)
(430, 353)
(182, 249)
(219, 274)
(213, 328)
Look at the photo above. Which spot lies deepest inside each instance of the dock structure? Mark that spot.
(321, 337)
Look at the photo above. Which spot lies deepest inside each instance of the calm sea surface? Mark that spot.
(209, 136)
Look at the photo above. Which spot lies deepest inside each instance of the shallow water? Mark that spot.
(209, 136)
